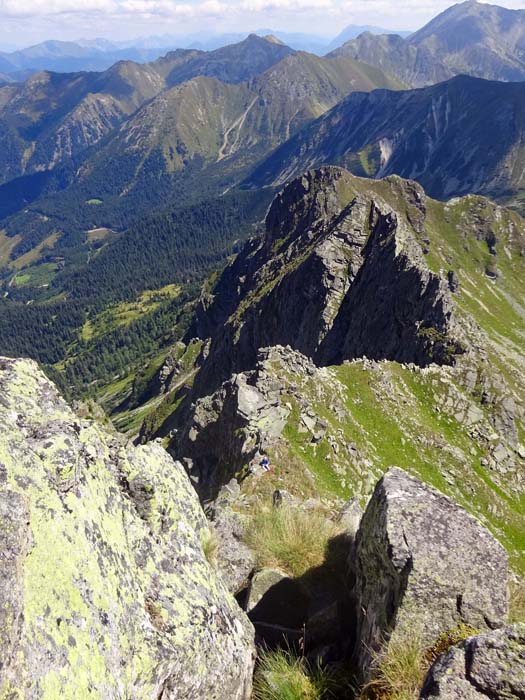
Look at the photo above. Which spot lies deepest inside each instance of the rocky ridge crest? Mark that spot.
(340, 273)
(363, 330)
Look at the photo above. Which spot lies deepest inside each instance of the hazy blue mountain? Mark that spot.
(69, 57)
(352, 31)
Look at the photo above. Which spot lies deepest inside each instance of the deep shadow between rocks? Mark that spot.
(314, 614)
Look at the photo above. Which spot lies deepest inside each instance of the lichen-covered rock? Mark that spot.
(421, 559)
(486, 666)
(104, 588)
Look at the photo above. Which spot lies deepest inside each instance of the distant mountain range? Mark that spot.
(101, 54)
(474, 38)
(68, 57)
(52, 118)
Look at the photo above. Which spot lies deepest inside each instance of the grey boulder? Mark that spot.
(420, 559)
(486, 666)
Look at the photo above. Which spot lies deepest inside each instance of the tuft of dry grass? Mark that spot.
(517, 602)
(281, 675)
(210, 545)
(290, 539)
(400, 667)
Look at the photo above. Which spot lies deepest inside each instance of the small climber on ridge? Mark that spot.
(265, 464)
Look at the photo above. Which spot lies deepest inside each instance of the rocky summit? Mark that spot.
(471, 38)
(340, 273)
(106, 591)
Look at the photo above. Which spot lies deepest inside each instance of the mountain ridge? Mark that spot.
(464, 135)
(479, 39)
(76, 111)
(368, 325)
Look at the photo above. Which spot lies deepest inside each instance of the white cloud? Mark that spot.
(115, 8)
(285, 5)
(21, 8)
(35, 20)
(156, 7)
(214, 7)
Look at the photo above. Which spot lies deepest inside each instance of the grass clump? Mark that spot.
(400, 667)
(210, 545)
(281, 675)
(517, 602)
(290, 539)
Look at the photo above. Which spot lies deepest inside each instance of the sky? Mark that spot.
(25, 22)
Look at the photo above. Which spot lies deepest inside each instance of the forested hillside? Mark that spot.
(97, 321)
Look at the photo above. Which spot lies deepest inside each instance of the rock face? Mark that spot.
(396, 308)
(104, 586)
(421, 559)
(242, 419)
(488, 666)
(351, 262)
(235, 560)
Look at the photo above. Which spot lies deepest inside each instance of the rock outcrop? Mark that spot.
(340, 273)
(105, 590)
(230, 428)
(487, 666)
(235, 560)
(421, 560)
